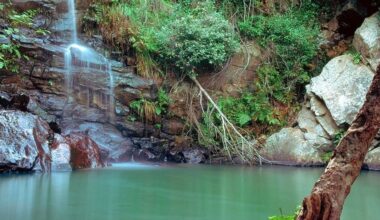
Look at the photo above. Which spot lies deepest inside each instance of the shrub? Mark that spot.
(292, 36)
(197, 41)
(249, 108)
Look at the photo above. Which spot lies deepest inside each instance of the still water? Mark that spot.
(183, 192)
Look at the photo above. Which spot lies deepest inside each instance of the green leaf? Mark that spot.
(243, 119)
(158, 110)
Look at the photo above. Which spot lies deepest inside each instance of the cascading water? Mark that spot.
(73, 18)
(82, 60)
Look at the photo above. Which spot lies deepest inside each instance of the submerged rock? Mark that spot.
(24, 142)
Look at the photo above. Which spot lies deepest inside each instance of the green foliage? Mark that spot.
(187, 39)
(338, 136)
(43, 32)
(150, 110)
(356, 57)
(197, 41)
(9, 52)
(162, 103)
(24, 18)
(282, 217)
(271, 83)
(286, 217)
(327, 156)
(293, 38)
(249, 108)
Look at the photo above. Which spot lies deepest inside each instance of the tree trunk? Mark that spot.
(329, 192)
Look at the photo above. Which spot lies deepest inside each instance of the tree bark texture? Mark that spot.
(329, 192)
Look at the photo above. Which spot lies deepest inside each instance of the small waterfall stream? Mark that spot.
(82, 60)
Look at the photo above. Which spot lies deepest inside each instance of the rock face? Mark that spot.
(342, 86)
(367, 40)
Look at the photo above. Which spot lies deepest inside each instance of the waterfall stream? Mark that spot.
(81, 60)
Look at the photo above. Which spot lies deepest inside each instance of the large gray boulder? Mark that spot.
(367, 40)
(342, 86)
(24, 142)
(289, 147)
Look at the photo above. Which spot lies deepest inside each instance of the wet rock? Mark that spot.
(151, 149)
(342, 86)
(26, 103)
(367, 40)
(24, 142)
(74, 111)
(289, 147)
(121, 110)
(113, 145)
(85, 152)
(60, 154)
(130, 87)
(195, 155)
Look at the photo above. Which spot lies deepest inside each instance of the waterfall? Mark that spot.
(73, 18)
(82, 60)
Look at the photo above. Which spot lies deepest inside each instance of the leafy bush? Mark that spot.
(292, 36)
(197, 41)
(249, 108)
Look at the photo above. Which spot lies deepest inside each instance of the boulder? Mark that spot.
(24, 142)
(372, 159)
(85, 152)
(342, 86)
(60, 154)
(367, 40)
(289, 147)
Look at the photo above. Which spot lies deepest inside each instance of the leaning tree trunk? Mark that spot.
(329, 192)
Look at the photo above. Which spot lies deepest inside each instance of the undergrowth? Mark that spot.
(10, 53)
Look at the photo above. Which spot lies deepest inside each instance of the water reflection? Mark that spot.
(148, 192)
